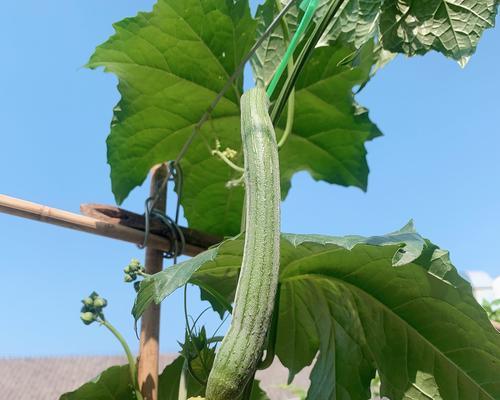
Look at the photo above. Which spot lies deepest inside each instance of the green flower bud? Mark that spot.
(100, 302)
(87, 317)
(87, 301)
(134, 266)
(128, 278)
(135, 263)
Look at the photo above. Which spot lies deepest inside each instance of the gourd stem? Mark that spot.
(130, 357)
(289, 118)
(240, 351)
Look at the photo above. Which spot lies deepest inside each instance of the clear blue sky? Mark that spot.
(437, 163)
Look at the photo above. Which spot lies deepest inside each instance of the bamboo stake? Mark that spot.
(107, 221)
(149, 348)
(196, 241)
(54, 216)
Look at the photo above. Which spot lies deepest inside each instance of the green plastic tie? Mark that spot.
(309, 7)
(304, 4)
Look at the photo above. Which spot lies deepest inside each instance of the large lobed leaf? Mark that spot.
(114, 384)
(172, 62)
(451, 27)
(390, 303)
(329, 129)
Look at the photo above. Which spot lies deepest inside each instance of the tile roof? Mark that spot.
(49, 377)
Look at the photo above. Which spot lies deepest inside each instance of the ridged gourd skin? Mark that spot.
(241, 349)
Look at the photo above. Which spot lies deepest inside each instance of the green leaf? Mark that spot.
(112, 384)
(221, 280)
(356, 22)
(268, 56)
(198, 352)
(330, 129)
(418, 324)
(171, 279)
(170, 72)
(171, 63)
(170, 378)
(452, 27)
(257, 392)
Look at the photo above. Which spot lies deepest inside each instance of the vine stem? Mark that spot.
(291, 99)
(190, 334)
(304, 55)
(130, 357)
(290, 116)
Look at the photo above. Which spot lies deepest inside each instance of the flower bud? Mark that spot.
(87, 317)
(100, 302)
(135, 262)
(87, 301)
(128, 278)
(134, 266)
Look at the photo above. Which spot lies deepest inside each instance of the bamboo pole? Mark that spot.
(196, 241)
(149, 347)
(107, 221)
(54, 216)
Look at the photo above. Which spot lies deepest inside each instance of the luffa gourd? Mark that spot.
(241, 349)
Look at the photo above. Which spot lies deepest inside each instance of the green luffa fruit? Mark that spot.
(241, 349)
